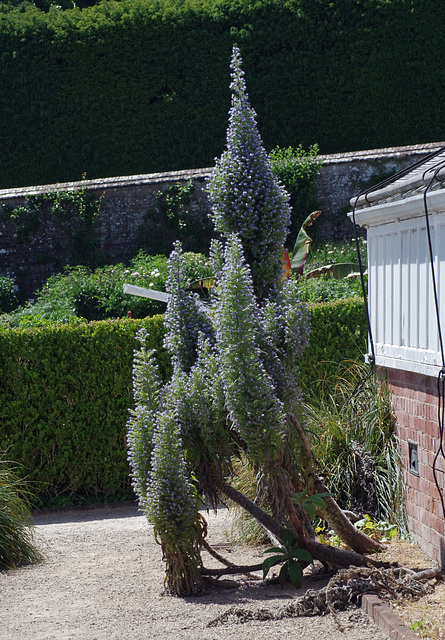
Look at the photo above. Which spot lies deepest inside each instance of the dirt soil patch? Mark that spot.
(426, 617)
(102, 577)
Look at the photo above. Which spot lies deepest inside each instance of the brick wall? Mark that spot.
(415, 401)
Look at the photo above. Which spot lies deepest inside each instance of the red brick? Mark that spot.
(432, 521)
(387, 621)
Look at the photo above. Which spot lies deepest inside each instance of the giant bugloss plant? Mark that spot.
(234, 389)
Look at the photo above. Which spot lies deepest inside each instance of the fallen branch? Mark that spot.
(343, 591)
(233, 570)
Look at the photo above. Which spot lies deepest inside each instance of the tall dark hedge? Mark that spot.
(142, 85)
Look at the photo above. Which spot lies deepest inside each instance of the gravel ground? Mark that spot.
(102, 577)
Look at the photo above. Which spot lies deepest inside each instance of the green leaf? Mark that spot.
(301, 554)
(309, 508)
(288, 538)
(318, 501)
(283, 573)
(271, 562)
(295, 573)
(303, 244)
(276, 550)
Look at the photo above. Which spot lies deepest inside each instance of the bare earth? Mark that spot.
(103, 577)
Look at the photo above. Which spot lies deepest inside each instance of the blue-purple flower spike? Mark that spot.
(246, 197)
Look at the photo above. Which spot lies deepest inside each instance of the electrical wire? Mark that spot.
(371, 357)
(441, 375)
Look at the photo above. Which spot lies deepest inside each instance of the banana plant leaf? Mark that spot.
(303, 244)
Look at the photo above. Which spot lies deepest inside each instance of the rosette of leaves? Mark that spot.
(289, 556)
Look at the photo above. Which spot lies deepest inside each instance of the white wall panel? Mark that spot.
(402, 311)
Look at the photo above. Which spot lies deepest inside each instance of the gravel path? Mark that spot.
(102, 578)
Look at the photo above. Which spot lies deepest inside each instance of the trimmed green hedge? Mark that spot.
(65, 392)
(137, 86)
(338, 334)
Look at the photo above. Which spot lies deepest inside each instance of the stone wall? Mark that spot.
(130, 220)
(345, 175)
(415, 402)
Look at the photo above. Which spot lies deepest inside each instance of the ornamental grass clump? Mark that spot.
(233, 395)
(16, 534)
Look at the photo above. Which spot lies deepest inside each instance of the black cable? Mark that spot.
(365, 193)
(441, 422)
(441, 375)
(371, 357)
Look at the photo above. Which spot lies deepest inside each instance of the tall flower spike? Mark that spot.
(172, 506)
(254, 408)
(246, 197)
(183, 319)
(143, 419)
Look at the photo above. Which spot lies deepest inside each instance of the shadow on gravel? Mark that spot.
(87, 513)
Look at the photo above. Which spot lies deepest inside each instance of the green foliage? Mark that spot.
(130, 108)
(338, 333)
(309, 503)
(297, 169)
(418, 626)
(65, 391)
(16, 535)
(327, 289)
(381, 530)
(322, 253)
(80, 293)
(180, 212)
(76, 212)
(352, 425)
(290, 556)
(64, 397)
(8, 299)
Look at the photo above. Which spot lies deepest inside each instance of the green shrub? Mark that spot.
(323, 253)
(351, 423)
(80, 293)
(297, 169)
(65, 391)
(326, 289)
(16, 535)
(338, 334)
(330, 72)
(8, 299)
